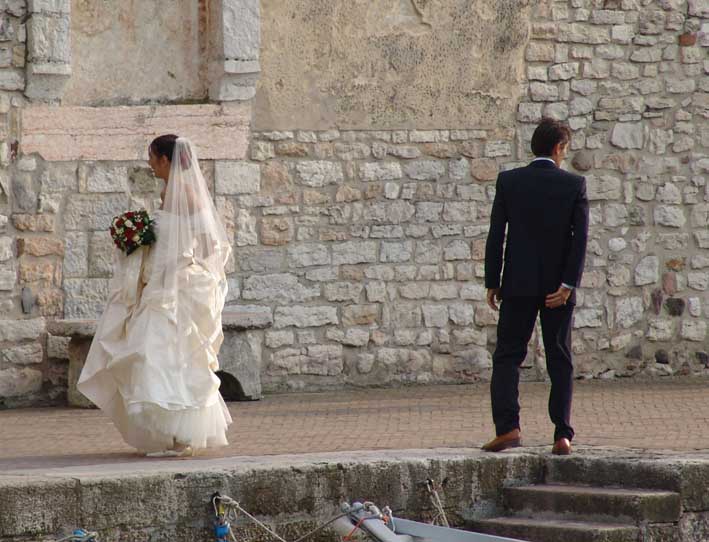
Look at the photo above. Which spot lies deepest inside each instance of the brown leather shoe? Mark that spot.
(561, 447)
(508, 440)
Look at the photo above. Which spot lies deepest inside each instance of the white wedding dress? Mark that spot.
(152, 363)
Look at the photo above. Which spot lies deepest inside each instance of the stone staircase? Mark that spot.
(568, 511)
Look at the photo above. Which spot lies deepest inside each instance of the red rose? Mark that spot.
(119, 223)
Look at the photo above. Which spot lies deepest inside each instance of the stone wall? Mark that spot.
(373, 240)
(79, 92)
(363, 234)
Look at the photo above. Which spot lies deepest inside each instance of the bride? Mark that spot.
(152, 363)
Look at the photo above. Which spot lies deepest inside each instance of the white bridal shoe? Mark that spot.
(175, 452)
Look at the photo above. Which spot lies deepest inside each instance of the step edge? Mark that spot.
(557, 524)
(569, 488)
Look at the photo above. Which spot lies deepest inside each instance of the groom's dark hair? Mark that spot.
(164, 145)
(549, 132)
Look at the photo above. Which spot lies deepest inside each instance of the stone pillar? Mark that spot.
(235, 66)
(81, 333)
(49, 48)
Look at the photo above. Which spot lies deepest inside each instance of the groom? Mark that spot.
(545, 212)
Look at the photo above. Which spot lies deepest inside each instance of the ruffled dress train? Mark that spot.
(155, 381)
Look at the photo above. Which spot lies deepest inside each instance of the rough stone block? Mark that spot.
(360, 315)
(629, 311)
(102, 251)
(627, 135)
(304, 316)
(241, 29)
(26, 354)
(425, 170)
(24, 193)
(7, 248)
(49, 38)
(380, 171)
(668, 215)
(12, 80)
(396, 251)
(236, 177)
(15, 382)
(59, 177)
(76, 254)
(698, 280)
(103, 178)
(694, 330)
(352, 252)
(389, 212)
(588, 318)
(19, 330)
(461, 314)
(93, 212)
(604, 187)
(647, 271)
(277, 288)
(57, 347)
(457, 250)
(85, 298)
(699, 8)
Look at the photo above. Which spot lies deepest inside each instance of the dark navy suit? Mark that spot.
(543, 210)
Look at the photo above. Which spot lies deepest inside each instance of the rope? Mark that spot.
(358, 525)
(311, 533)
(231, 507)
(437, 504)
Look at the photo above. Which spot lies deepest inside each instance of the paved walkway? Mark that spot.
(660, 415)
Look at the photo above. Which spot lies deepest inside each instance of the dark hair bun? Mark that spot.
(164, 145)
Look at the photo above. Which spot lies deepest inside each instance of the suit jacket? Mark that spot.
(545, 212)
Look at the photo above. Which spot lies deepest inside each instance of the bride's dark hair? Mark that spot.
(164, 145)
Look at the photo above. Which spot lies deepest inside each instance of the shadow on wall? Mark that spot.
(230, 388)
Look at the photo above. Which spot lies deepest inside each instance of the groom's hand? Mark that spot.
(558, 298)
(493, 294)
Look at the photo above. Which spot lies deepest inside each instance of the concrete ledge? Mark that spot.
(245, 317)
(142, 499)
(72, 328)
(240, 318)
(170, 499)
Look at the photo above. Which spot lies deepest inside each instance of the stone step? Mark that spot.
(607, 471)
(616, 504)
(556, 530)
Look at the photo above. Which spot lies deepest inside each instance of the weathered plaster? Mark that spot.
(390, 64)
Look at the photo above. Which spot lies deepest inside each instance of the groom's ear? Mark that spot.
(559, 148)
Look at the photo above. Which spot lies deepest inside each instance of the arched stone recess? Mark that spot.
(49, 48)
(236, 66)
(61, 122)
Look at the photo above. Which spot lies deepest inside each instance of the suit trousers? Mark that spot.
(514, 330)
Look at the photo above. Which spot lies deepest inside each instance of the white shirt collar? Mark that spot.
(544, 158)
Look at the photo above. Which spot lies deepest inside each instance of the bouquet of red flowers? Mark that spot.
(132, 230)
